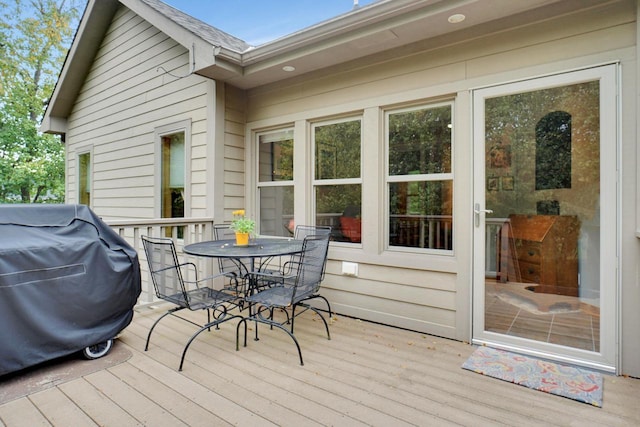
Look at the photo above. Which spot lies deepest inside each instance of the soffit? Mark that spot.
(382, 27)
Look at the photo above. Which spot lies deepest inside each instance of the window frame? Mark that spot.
(163, 131)
(315, 182)
(433, 177)
(85, 151)
(259, 185)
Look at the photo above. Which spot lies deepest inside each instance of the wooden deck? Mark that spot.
(367, 374)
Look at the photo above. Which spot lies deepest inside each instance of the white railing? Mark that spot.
(183, 231)
(421, 231)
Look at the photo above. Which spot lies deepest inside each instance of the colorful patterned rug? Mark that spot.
(579, 384)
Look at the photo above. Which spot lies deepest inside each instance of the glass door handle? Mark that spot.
(478, 211)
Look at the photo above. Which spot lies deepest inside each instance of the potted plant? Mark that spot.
(243, 227)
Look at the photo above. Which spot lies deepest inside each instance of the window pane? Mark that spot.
(339, 207)
(420, 214)
(420, 141)
(276, 211)
(173, 176)
(276, 156)
(337, 150)
(84, 179)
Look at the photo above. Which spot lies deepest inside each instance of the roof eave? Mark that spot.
(97, 17)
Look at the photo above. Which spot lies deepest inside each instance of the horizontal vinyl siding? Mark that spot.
(234, 151)
(125, 97)
(431, 293)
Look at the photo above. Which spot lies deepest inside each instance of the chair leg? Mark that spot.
(259, 318)
(242, 321)
(315, 310)
(295, 340)
(326, 325)
(203, 328)
(173, 310)
(328, 305)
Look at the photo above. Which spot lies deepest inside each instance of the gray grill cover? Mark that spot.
(67, 281)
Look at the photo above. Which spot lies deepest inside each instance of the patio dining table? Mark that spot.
(251, 258)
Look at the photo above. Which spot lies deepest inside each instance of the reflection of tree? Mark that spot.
(338, 150)
(420, 144)
(512, 120)
(553, 151)
(420, 198)
(420, 141)
(336, 198)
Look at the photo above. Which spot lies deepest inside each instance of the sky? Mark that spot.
(260, 21)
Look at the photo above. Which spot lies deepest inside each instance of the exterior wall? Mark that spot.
(234, 151)
(431, 293)
(125, 98)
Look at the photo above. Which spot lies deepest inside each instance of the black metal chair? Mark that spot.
(293, 290)
(303, 231)
(168, 277)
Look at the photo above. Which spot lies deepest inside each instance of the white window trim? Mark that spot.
(417, 178)
(159, 132)
(268, 184)
(344, 181)
(79, 152)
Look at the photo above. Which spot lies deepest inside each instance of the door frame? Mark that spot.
(607, 359)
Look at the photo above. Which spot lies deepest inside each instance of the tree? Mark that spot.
(34, 39)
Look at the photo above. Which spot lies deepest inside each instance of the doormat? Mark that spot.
(58, 371)
(574, 383)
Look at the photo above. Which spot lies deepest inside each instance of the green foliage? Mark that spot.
(241, 223)
(34, 38)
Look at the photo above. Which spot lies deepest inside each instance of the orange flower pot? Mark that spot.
(242, 239)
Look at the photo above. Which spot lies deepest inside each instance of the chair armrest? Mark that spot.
(271, 275)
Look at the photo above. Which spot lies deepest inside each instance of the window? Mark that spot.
(337, 177)
(173, 177)
(84, 179)
(420, 178)
(275, 182)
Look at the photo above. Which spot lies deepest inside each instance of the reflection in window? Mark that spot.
(84, 179)
(173, 178)
(275, 182)
(553, 151)
(339, 207)
(338, 183)
(420, 182)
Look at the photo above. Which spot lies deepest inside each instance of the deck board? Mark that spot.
(367, 374)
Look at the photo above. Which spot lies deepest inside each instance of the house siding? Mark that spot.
(234, 151)
(125, 98)
(426, 292)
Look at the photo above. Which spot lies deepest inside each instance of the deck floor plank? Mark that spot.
(22, 412)
(59, 409)
(96, 405)
(367, 374)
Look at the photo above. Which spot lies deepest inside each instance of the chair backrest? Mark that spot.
(311, 266)
(303, 231)
(165, 269)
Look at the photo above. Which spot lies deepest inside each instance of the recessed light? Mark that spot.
(288, 68)
(457, 18)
